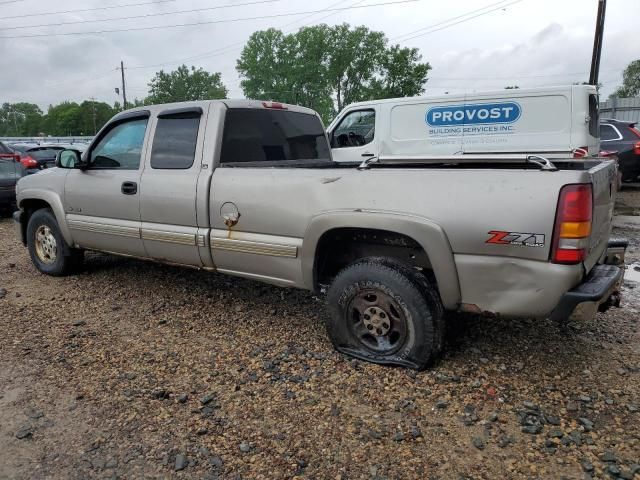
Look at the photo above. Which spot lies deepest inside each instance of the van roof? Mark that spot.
(519, 92)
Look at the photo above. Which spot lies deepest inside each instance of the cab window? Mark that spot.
(174, 144)
(121, 147)
(355, 130)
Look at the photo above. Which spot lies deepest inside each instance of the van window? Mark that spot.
(174, 143)
(355, 130)
(594, 115)
(264, 135)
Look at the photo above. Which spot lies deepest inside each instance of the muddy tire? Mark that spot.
(48, 250)
(384, 312)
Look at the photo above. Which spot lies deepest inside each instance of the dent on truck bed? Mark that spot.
(534, 288)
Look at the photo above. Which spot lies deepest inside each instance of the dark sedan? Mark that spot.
(37, 157)
(10, 171)
(624, 139)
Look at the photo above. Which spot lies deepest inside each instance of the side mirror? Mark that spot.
(68, 159)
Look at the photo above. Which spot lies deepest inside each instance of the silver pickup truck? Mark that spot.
(249, 188)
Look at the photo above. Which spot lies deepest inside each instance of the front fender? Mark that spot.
(54, 201)
(427, 233)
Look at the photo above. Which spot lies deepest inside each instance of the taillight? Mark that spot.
(29, 162)
(636, 148)
(635, 131)
(573, 224)
(581, 152)
(275, 105)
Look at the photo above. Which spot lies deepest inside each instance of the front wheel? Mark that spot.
(48, 250)
(381, 312)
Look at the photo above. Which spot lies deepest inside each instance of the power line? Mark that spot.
(462, 21)
(447, 20)
(233, 46)
(210, 22)
(11, 1)
(108, 7)
(146, 15)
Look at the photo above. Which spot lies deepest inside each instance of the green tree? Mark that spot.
(93, 115)
(63, 119)
(630, 81)
(20, 119)
(185, 84)
(402, 74)
(326, 68)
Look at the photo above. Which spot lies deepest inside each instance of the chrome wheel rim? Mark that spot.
(46, 245)
(377, 322)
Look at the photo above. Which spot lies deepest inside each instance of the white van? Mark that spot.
(550, 121)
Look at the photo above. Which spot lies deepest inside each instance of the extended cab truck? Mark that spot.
(249, 188)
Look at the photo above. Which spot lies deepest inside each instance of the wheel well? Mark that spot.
(29, 206)
(342, 246)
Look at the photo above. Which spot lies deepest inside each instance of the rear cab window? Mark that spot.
(268, 137)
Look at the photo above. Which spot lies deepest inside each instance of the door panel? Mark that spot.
(102, 202)
(99, 215)
(170, 229)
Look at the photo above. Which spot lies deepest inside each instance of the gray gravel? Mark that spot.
(177, 373)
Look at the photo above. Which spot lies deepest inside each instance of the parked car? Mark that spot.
(623, 138)
(249, 188)
(10, 171)
(37, 157)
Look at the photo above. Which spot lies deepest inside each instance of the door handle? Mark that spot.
(368, 154)
(129, 188)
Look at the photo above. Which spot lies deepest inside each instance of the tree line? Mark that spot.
(321, 67)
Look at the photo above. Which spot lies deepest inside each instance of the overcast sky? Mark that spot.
(528, 42)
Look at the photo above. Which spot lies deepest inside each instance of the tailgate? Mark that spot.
(603, 179)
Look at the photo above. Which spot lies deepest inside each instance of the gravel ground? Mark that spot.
(133, 370)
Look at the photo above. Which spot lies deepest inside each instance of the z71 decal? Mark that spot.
(516, 238)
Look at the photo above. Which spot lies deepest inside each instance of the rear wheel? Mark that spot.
(384, 312)
(48, 250)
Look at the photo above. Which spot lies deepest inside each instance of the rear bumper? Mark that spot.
(600, 289)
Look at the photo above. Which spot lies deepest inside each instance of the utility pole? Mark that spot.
(124, 91)
(93, 104)
(597, 43)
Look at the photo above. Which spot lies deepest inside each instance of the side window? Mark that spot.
(355, 130)
(121, 147)
(607, 132)
(174, 143)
